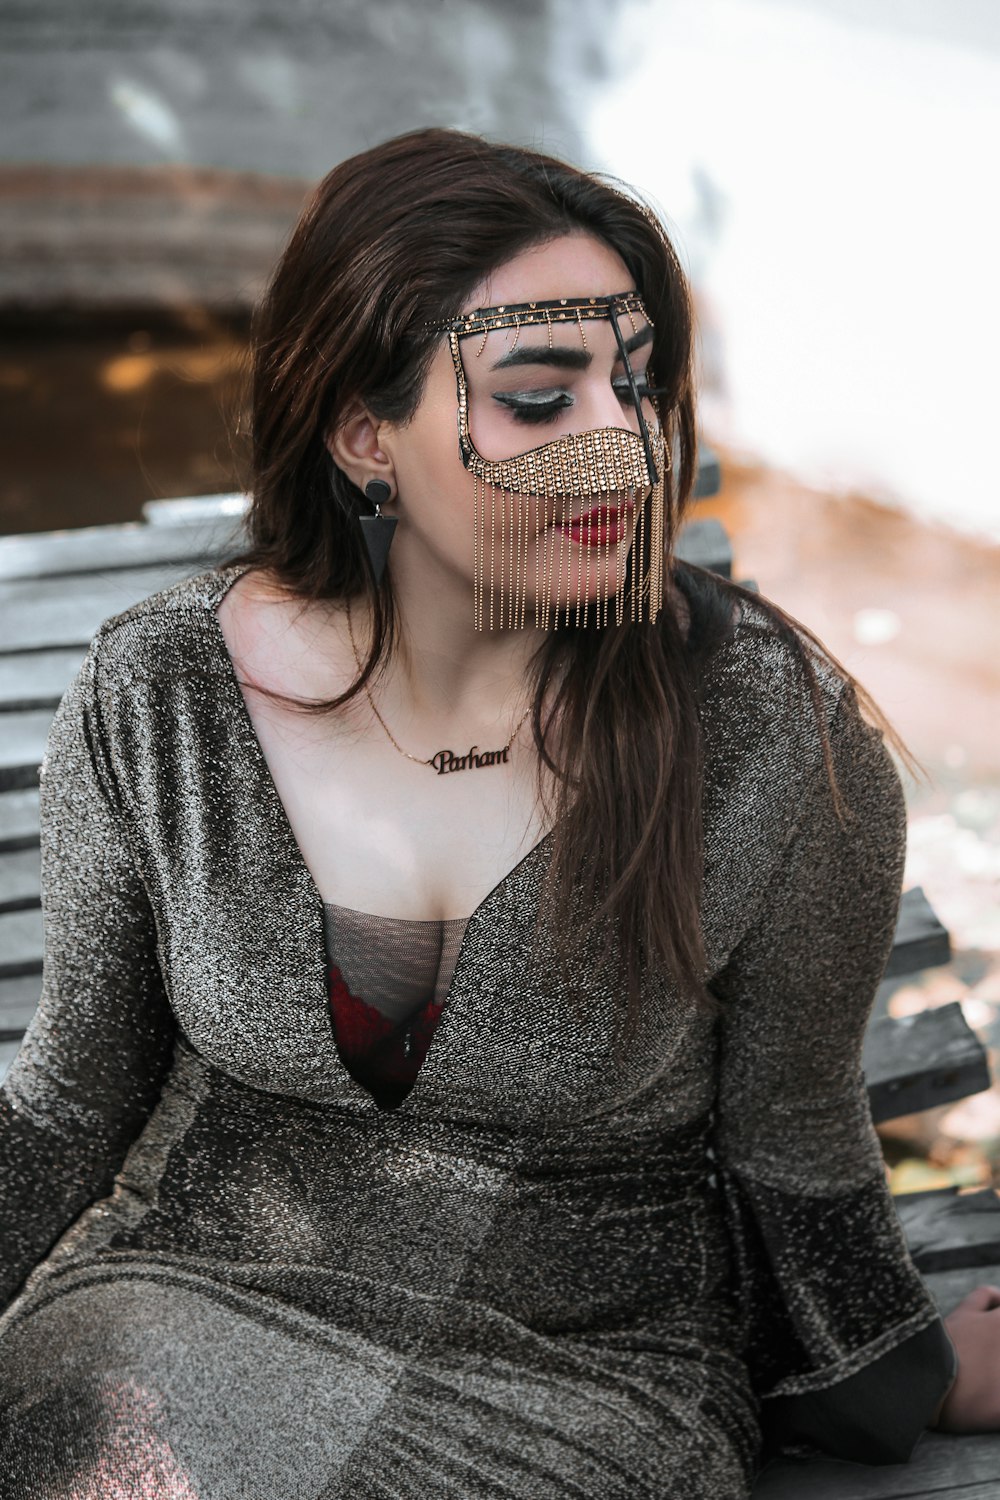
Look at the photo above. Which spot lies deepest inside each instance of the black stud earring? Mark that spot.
(377, 530)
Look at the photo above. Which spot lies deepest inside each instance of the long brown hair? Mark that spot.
(395, 238)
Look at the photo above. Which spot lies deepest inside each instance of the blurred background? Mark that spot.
(828, 171)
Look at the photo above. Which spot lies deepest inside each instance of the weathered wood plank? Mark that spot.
(18, 1001)
(944, 1467)
(949, 1287)
(20, 879)
(21, 943)
(921, 941)
(53, 614)
(706, 544)
(921, 1061)
(36, 679)
(132, 544)
(185, 510)
(58, 610)
(22, 743)
(8, 1052)
(947, 1230)
(905, 1060)
(182, 511)
(18, 817)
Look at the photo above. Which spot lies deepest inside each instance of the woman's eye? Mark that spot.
(541, 406)
(546, 406)
(623, 390)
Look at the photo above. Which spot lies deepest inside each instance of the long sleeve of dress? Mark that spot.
(833, 1308)
(92, 1062)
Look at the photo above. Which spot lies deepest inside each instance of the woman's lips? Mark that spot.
(603, 524)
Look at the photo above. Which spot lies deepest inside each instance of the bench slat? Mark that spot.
(44, 613)
(131, 544)
(21, 943)
(945, 1466)
(20, 879)
(947, 1230)
(921, 1061)
(18, 1001)
(709, 478)
(948, 1288)
(921, 941)
(186, 510)
(36, 679)
(896, 1058)
(22, 744)
(911, 1064)
(49, 614)
(19, 818)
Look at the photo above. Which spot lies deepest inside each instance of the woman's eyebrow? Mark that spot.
(524, 354)
(567, 359)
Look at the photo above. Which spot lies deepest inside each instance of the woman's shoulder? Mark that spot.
(157, 640)
(745, 649)
(158, 635)
(784, 742)
(769, 693)
(196, 594)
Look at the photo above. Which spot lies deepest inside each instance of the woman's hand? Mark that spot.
(973, 1403)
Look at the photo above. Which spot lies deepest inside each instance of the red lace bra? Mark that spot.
(388, 979)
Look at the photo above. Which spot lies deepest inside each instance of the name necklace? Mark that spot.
(442, 761)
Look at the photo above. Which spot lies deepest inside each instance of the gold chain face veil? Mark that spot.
(533, 531)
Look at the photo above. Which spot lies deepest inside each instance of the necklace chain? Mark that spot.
(420, 760)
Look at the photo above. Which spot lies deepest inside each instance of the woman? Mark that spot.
(461, 926)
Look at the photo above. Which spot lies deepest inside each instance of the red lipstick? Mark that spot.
(598, 527)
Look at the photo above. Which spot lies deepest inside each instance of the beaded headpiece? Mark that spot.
(603, 461)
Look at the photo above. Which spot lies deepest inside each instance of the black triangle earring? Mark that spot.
(377, 530)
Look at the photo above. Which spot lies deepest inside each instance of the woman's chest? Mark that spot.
(378, 829)
(384, 834)
(241, 941)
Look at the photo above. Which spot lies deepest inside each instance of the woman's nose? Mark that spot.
(604, 406)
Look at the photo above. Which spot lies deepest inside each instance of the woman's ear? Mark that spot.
(354, 447)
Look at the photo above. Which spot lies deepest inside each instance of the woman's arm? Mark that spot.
(830, 1290)
(91, 1064)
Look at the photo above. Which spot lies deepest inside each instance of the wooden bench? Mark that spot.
(55, 590)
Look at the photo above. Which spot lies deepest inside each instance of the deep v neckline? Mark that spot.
(224, 579)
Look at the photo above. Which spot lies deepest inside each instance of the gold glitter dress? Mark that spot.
(230, 1275)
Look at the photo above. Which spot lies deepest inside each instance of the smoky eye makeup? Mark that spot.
(534, 406)
(546, 405)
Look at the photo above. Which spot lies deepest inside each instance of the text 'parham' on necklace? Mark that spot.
(444, 760)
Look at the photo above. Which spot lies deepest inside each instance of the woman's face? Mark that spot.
(518, 402)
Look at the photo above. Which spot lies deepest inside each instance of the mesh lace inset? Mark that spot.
(388, 979)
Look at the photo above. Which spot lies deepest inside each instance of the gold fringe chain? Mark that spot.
(517, 534)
